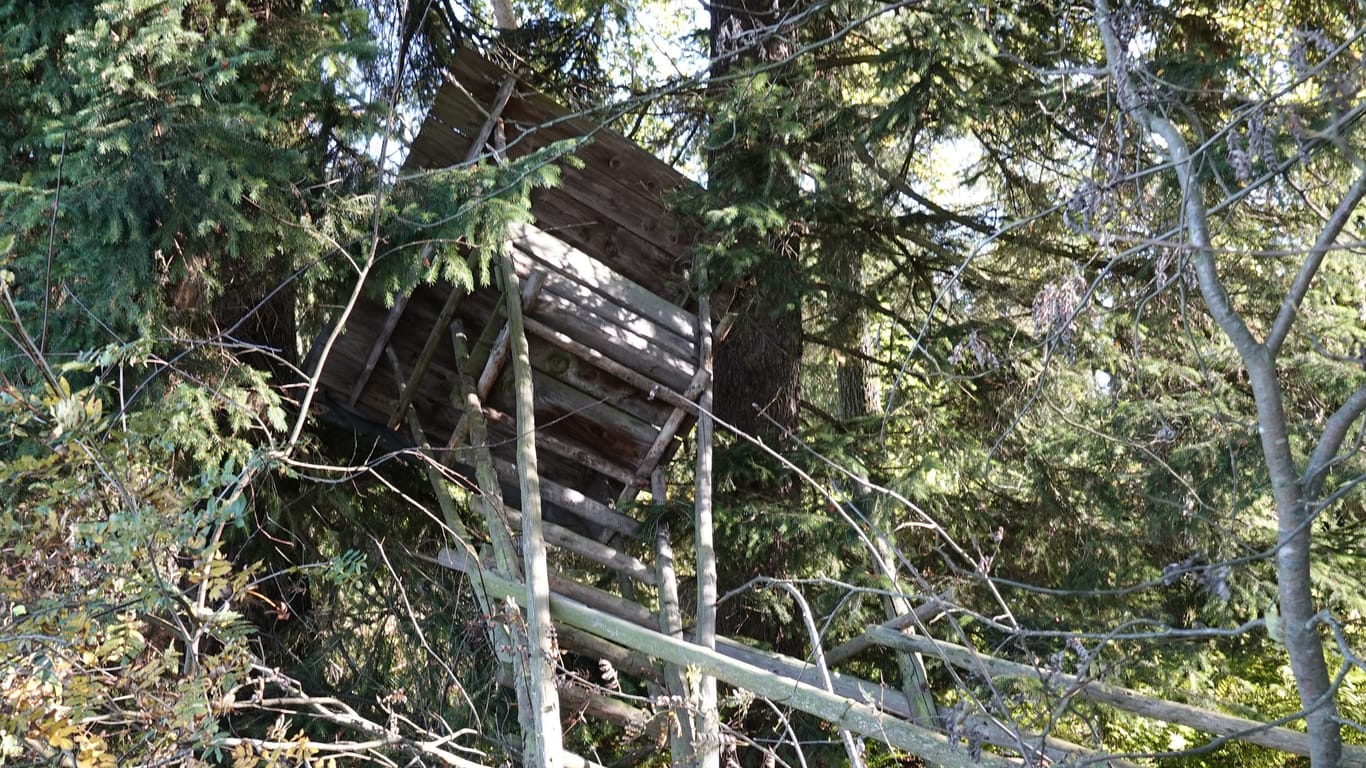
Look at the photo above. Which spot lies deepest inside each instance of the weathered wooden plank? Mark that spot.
(581, 294)
(576, 419)
(623, 347)
(842, 712)
(576, 502)
(565, 539)
(636, 347)
(577, 223)
(597, 191)
(652, 388)
(598, 310)
(381, 341)
(596, 383)
(575, 453)
(552, 121)
(626, 661)
(580, 267)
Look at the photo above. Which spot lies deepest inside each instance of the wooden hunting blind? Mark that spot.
(617, 368)
(602, 270)
(616, 355)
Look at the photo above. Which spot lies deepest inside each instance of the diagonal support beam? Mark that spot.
(377, 350)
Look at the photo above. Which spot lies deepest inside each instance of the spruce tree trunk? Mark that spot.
(857, 399)
(758, 368)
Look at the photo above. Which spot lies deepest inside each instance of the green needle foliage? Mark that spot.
(969, 252)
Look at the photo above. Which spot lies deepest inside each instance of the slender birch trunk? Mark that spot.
(708, 737)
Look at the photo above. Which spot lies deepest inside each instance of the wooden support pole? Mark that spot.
(457, 293)
(545, 699)
(682, 746)
(377, 349)
(921, 616)
(708, 738)
(881, 697)
(424, 359)
(490, 492)
(671, 425)
(495, 113)
(498, 355)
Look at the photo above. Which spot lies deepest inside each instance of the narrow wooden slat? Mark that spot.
(576, 454)
(670, 428)
(424, 358)
(580, 267)
(596, 383)
(589, 509)
(497, 359)
(533, 108)
(651, 387)
(500, 101)
(624, 343)
(623, 324)
(565, 539)
(627, 349)
(626, 661)
(580, 295)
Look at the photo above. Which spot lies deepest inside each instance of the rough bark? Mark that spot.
(758, 368)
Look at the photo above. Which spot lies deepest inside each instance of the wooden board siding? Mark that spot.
(613, 208)
(613, 346)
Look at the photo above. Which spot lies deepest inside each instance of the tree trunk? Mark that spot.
(758, 368)
(1294, 524)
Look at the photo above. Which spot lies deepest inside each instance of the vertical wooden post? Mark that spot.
(544, 744)
(708, 736)
(682, 745)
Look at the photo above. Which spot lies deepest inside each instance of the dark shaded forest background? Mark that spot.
(1062, 305)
